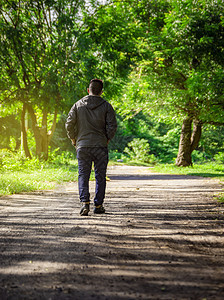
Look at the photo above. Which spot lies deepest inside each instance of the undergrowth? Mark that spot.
(19, 174)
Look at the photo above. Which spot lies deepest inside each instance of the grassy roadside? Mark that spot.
(213, 170)
(34, 180)
(210, 170)
(19, 174)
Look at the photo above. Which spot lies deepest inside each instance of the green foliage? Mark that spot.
(10, 161)
(198, 156)
(18, 182)
(220, 198)
(219, 157)
(40, 51)
(139, 149)
(61, 158)
(9, 131)
(114, 26)
(194, 39)
(181, 70)
(212, 140)
(19, 174)
(60, 138)
(163, 137)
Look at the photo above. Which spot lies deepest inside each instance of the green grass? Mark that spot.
(214, 170)
(220, 198)
(34, 180)
(19, 174)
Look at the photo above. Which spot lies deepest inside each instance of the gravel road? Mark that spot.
(161, 238)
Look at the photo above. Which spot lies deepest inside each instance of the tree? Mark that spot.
(181, 70)
(113, 31)
(194, 33)
(40, 41)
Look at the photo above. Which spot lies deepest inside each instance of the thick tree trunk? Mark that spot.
(24, 143)
(42, 137)
(184, 152)
(188, 141)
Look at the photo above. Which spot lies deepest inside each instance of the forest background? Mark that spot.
(162, 67)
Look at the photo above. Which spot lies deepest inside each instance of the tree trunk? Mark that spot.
(36, 131)
(184, 152)
(53, 127)
(42, 137)
(24, 143)
(188, 141)
(196, 135)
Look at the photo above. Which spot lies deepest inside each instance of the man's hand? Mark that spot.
(73, 142)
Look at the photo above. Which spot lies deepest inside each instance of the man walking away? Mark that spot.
(90, 125)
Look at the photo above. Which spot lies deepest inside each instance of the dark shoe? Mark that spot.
(84, 210)
(99, 210)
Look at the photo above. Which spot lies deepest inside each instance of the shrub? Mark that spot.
(59, 158)
(139, 149)
(199, 156)
(219, 157)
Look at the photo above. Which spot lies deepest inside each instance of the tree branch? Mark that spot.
(214, 123)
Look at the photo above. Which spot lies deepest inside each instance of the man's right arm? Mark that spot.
(71, 122)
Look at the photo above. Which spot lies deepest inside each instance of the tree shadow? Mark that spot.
(211, 175)
(151, 177)
(149, 245)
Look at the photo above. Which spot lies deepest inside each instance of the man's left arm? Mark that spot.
(111, 123)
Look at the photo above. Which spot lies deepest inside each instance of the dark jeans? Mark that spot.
(85, 156)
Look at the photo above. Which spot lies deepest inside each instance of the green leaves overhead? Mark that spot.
(183, 60)
(38, 42)
(196, 30)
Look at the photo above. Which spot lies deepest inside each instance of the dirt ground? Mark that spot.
(161, 238)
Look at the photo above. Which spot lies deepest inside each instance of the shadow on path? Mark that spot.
(158, 240)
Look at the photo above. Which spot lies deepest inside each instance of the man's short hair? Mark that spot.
(96, 86)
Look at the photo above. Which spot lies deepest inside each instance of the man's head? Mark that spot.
(95, 87)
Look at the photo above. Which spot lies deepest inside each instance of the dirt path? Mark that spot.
(161, 238)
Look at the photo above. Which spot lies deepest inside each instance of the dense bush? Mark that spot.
(139, 149)
(219, 157)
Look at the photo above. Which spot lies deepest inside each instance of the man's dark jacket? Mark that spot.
(91, 122)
